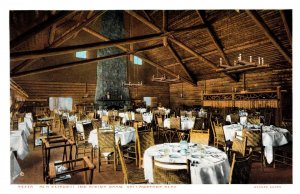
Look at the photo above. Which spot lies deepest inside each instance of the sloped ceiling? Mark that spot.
(209, 34)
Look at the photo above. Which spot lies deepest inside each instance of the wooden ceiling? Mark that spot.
(185, 42)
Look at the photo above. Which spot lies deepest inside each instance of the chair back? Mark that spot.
(239, 146)
(199, 137)
(199, 124)
(91, 115)
(144, 140)
(254, 120)
(171, 173)
(122, 161)
(106, 140)
(254, 137)
(219, 132)
(110, 113)
(175, 123)
(114, 121)
(235, 118)
(240, 169)
(104, 118)
(96, 123)
(182, 113)
(189, 114)
(138, 117)
(160, 122)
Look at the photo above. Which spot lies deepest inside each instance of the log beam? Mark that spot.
(67, 65)
(60, 40)
(213, 37)
(201, 58)
(71, 49)
(144, 20)
(37, 29)
(100, 36)
(183, 66)
(261, 24)
(286, 26)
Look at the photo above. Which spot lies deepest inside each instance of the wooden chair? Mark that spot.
(68, 130)
(255, 120)
(240, 169)
(106, 144)
(105, 119)
(86, 165)
(254, 141)
(97, 123)
(91, 115)
(162, 131)
(199, 124)
(235, 118)
(219, 137)
(83, 147)
(175, 129)
(239, 147)
(199, 136)
(114, 121)
(135, 176)
(144, 140)
(171, 173)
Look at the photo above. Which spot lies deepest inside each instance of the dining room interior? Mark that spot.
(151, 96)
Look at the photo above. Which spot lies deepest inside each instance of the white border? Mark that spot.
(148, 5)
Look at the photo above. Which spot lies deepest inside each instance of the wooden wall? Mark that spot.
(254, 82)
(44, 90)
(161, 92)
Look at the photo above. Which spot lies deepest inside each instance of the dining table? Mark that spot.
(18, 143)
(272, 136)
(209, 165)
(186, 123)
(15, 169)
(126, 134)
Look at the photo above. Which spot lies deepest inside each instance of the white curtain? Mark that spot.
(60, 103)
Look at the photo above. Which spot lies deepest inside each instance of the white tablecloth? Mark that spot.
(186, 123)
(125, 116)
(147, 117)
(15, 169)
(271, 136)
(125, 133)
(141, 110)
(79, 125)
(28, 120)
(209, 167)
(23, 127)
(18, 142)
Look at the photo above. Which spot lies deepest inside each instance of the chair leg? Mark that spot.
(99, 159)
(115, 162)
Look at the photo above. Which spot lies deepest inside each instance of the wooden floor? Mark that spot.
(32, 168)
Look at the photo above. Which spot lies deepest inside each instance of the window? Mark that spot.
(81, 54)
(137, 60)
(60, 103)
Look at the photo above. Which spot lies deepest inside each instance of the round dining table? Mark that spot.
(209, 165)
(271, 136)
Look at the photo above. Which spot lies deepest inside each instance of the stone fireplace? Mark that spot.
(111, 73)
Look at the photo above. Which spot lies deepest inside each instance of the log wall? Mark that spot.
(44, 90)
(254, 82)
